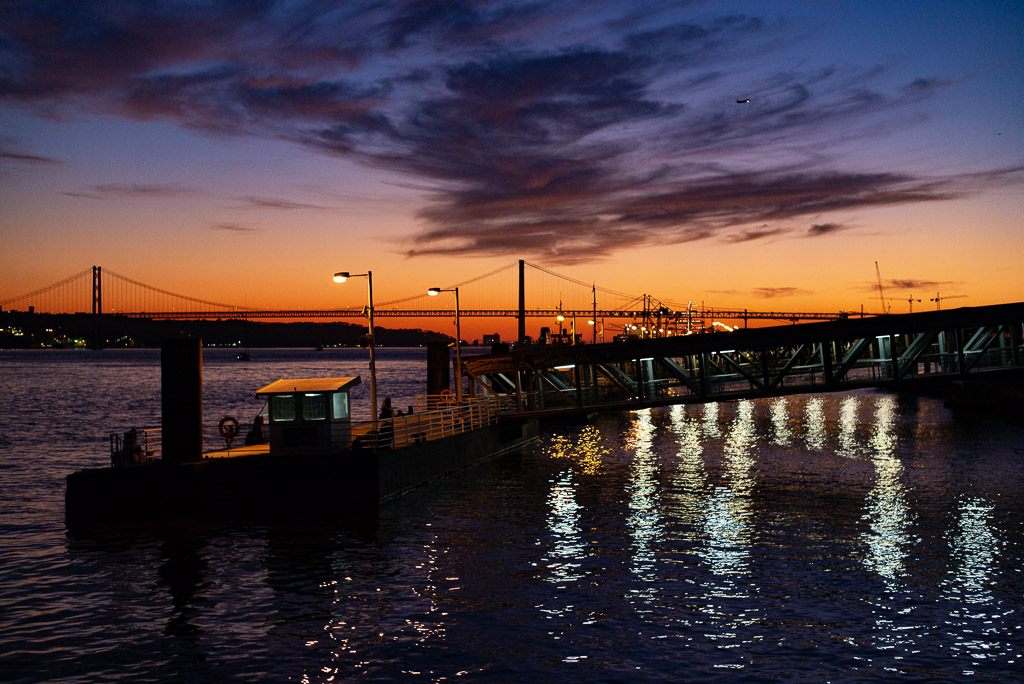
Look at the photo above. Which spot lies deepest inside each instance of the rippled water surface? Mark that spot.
(853, 536)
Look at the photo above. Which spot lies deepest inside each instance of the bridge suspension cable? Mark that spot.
(60, 294)
(174, 295)
(495, 294)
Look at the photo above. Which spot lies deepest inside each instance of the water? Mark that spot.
(853, 536)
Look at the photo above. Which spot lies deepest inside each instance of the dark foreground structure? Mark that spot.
(265, 485)
(303, 458)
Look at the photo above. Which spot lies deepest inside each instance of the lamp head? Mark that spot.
(560, 317)
(341, 276)
(434, 291)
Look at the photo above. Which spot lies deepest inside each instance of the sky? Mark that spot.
(745, 155)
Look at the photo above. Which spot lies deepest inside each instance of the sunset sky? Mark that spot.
(245, 151)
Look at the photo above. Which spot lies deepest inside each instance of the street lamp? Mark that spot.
(341, 277)
(433, 292)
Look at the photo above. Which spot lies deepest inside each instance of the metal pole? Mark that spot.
(373, 364)
(458, 351)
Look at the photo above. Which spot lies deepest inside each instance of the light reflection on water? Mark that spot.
(566, 555)
(814, 421)
(850, 536)
(968, 588)
(888, 539)
(781, 432)
(848, 421)
(728, 510)
(644, 518)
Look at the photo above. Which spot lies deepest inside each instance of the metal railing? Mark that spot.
(140, 445)
(434, 417)
(134, 446)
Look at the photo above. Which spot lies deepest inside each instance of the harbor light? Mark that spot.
(433, 292)
(340, 277)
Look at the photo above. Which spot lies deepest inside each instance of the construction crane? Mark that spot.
(938, 300)
(910, 300)
(881, 292)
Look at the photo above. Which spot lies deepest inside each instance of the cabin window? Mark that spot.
(282, 407)
(313, 407)
(340, 405)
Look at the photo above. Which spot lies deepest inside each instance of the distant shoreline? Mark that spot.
(24, 330)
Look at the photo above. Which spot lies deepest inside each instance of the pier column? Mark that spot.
(577, 373)
(1015, 340)
(894, 359)
(438, 360)
(826, 361)
(958, 341)
(181, 383)
(702, 369)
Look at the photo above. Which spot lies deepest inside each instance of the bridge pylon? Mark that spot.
(97, 306)
(522, 302)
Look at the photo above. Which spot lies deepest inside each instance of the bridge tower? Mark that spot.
(522, 302)
(97, 306)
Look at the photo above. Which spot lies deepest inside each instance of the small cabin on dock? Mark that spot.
(309, 415)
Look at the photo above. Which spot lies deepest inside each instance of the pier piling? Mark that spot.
(181, 382)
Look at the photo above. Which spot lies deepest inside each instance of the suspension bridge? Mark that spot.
(662, 364)
(518, 290)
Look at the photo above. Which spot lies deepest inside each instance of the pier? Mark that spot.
(940, 352)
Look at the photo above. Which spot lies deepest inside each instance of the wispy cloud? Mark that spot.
(894, 286)
(563, 131)
(819, 229)
(752, 234)
(918, 284)
(778, 292)
(252, 201)
(28, 158)
(232, 228)
(131, 191)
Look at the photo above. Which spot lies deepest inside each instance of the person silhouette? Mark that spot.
(387, 430)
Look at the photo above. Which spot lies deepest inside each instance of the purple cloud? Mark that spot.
(562, 130)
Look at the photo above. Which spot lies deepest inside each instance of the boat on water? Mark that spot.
(303, 456)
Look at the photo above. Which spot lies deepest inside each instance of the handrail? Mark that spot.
(447, 418)
(134, 446)
(427, 425)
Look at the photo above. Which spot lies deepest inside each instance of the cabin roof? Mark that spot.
(309, 385)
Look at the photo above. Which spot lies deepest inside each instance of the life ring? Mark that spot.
(447, 397)
(228, 428)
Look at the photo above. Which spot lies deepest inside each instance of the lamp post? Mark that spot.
(341, 277)
(433, 292)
